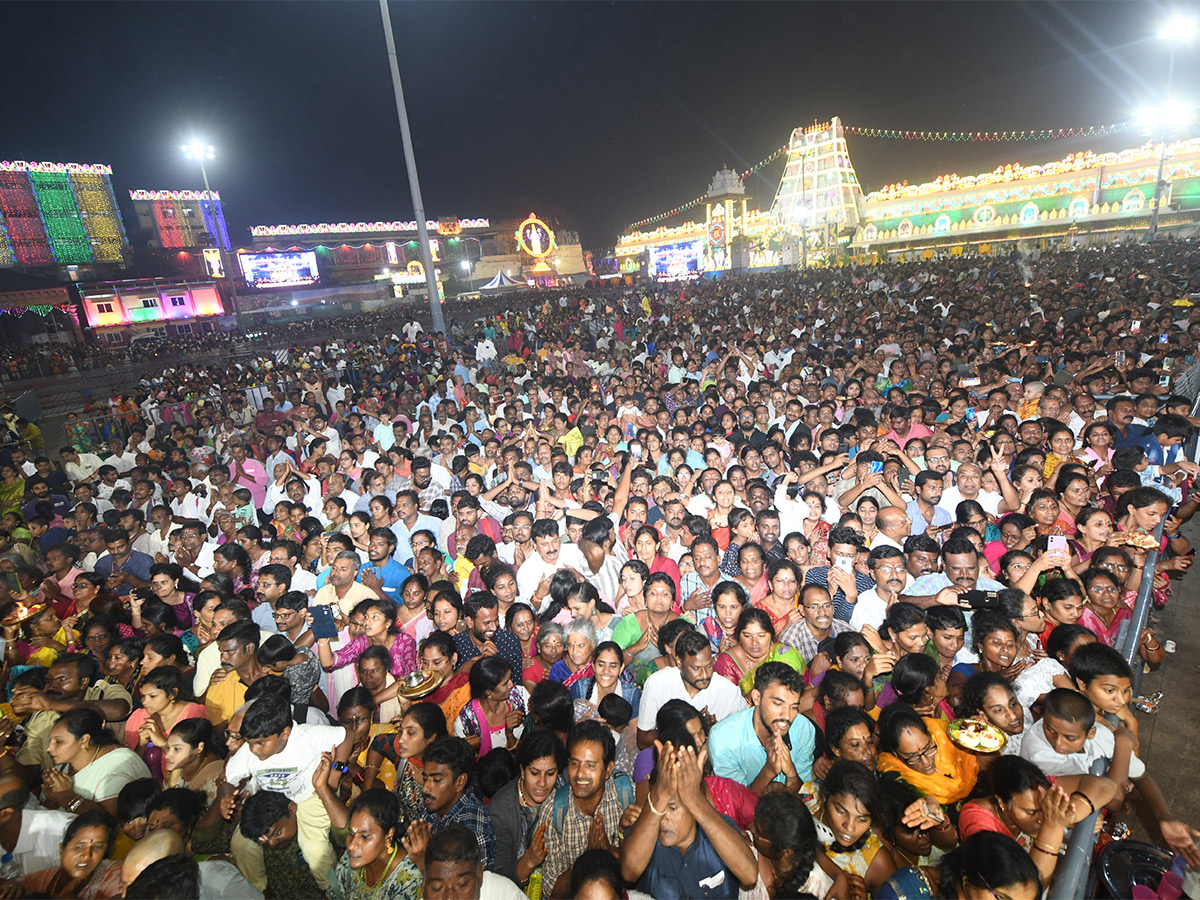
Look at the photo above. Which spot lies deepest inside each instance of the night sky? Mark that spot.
(598, 114)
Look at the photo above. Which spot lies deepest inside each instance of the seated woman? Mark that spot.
(577, 661)
(1104, 613)
(379, 623)
(1017, 800)
(164, 650)
(728, 599)
(990, 696)
(790, 862)
(42, 635)
(988, 865)
(917, 681)
(903, 631)
(438, 654)
(495, 717)
(193, 758)
(635, 633)
(541, 759)
(413, 616)
(754, 644)
(201, 633)
(355, 713)
(917, 751)
(155, 618)
(90, 769)
(170, 586)
(123, 665)
(421, 726)
(631, 595)
(994, 641)
(849, 814)
(166, 701)
(550, 644)
(376, 863)
(608, 667)
(84, 869)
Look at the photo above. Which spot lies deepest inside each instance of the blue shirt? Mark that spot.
(940, 517)
(737, 753)
(1133, 435)
(136, 564)
(393, 575)
(700, 872)
(404, 535)
(843, 609)
(1156, 453)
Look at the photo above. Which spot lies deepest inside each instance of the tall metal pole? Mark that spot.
(1162, 151)
(435, 305)
(233, 294)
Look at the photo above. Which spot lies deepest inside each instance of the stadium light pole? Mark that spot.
(200, 151)
(1179, 30)
(414, 186)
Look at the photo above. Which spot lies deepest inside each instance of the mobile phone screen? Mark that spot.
(323, 625)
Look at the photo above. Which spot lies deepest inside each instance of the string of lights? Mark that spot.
(1045, 134)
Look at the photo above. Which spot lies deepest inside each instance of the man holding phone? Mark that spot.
(927, 517)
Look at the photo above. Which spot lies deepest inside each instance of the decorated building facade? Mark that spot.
(60, 220)
(820, 214)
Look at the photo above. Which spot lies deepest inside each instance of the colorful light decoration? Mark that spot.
(536, 238)
(56, 168)
(1015, 172)
(58, 213)
(61, 216)
(356, 228)
(173, 195)
(26, 233)
(106, 231)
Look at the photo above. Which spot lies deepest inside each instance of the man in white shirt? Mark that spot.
(891, 578)
(185, 506)
(80, 466)
(280, 756)
(693, 681)
(32, 835)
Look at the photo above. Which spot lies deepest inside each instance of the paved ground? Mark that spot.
(1171, 737)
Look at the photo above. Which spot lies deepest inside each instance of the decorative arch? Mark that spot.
(942, 224)
(1029, 213)
(1134, 201)
(1079, 207)
(904, 229)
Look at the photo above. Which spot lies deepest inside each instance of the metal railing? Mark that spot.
(1070, 877)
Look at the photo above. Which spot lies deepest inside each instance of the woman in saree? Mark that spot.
(754, 644)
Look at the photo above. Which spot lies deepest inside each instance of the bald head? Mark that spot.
(154, 846)
(894, 522)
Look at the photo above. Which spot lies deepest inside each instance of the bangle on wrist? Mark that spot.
(657, 812)
(1086, 799)
(1052, 851)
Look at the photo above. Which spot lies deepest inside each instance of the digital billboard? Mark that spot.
(675, 261)
(279, 269)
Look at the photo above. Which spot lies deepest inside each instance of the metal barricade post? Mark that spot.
(1070, 875)
(1141, 611)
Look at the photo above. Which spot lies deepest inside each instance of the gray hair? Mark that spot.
(350, 555)
(549, 630)
(583, 627)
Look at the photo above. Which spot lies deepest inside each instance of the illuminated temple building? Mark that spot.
(820, 213)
